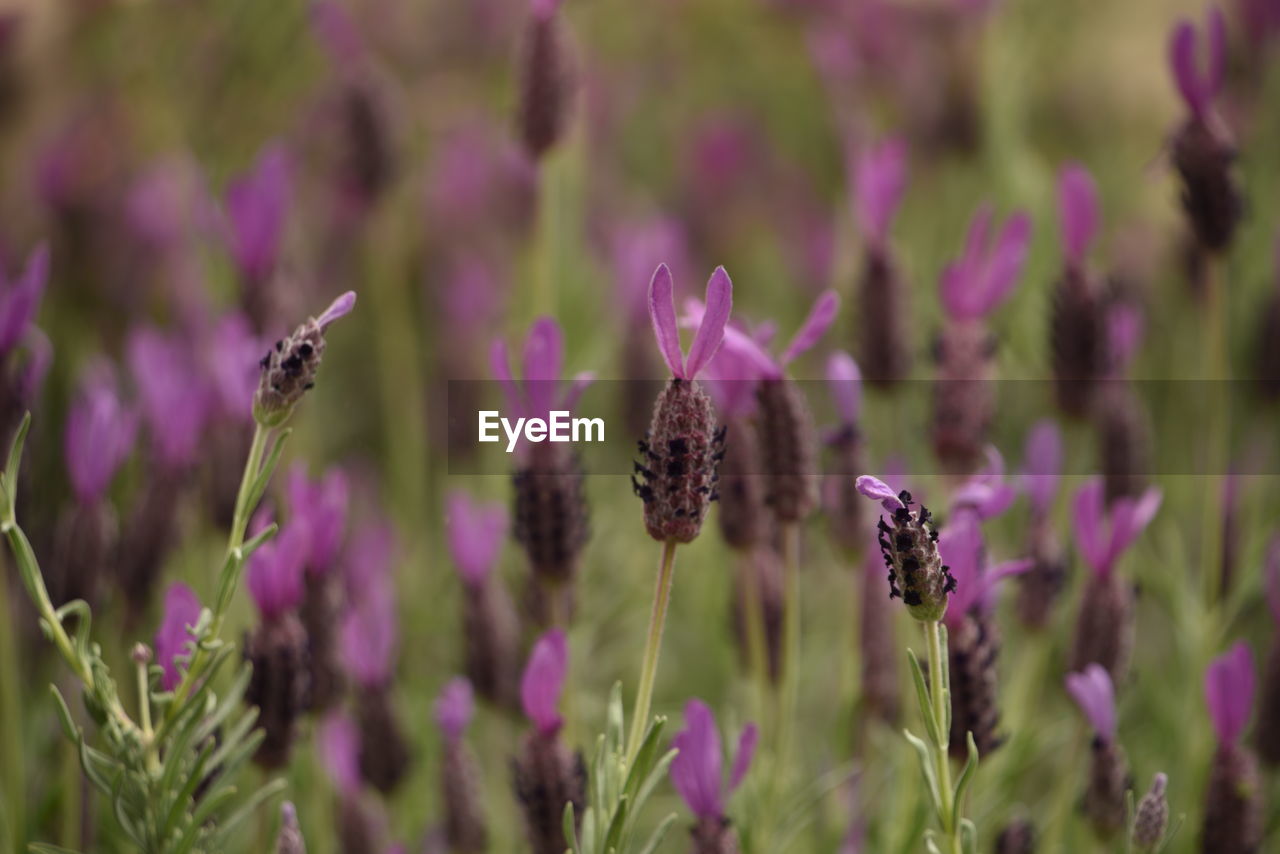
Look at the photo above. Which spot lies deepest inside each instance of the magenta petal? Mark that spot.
(961, 548)
(845, 383)
(662, 314)
(543, 361)
(1130, 517)
(1182, 59)
(1087, 515)
(1078, 204)
(580, 382)
(1005, 264)
(1125, 325)
(880, 177)
(747, 742)
(1093, 692)
(696, 770)
(878, 490)
(455, 707)
(1042, 465)
(338, 742)
(820, 318)
(475, 534)
(1228, 690)
(1273, 578)
(173, 639)
(340, 307)
(714, 319)
(543, 680)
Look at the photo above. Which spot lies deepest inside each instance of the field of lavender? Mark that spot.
(1013, 261)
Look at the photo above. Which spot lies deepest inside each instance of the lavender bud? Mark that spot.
(713, 835)
(1104, 628)
(1018, 837)
(384, 753)
(1124, 434)
(761, 567)
(974, 649)
(1268, 733)
(680, 460)
(546, 82)
(1233, 819)
(290, 840)
(1109, 782)
(787, 449)
(1203, 156)
(1151, 816)
(320, 611)
(550, 513)
(277, 649)
(1077, 341)
(1040, 586)
(916, 571)
(546, 776)
(492, 638)
(743, 520)
(885, 356)
(964, 395)
(463, 798)
(289, 369)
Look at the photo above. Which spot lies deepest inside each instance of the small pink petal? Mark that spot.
(820, 318)
(1182, 59)
(543, 680)
(747, 742)
(1078, 205)
(662, 314)
(1006, 262)
(340, 307)
(878, 490)
(1228, 689)
(1093, 692)
(845, 383)
(715, 317)
(1087, 514)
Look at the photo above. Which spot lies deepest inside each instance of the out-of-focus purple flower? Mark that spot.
(538, 391)
(233, 365)
(637, 249)
(476, 532)
(257, 208)
(1272, 579)
(961, 546)
(338, 741)
(1260, 20)
(274, 576)
(369, 635)
(168, 203)
(753, 349)
(321, 505)
(100, 434)
(472, 295)
(1228, 691)
(1103, 536)
(543, 9)
(173, 392)
(337, 33)
(1078, 208)
(732, 378)
(845, 382)
(39, 358)
(1125, 326)
(368, 557)
(986, 494)
(1199, 86)
(1042, 465)
(478, 176)
(543, 680)
(181, 609)
(697, 771)
(455, 707)
(877, 490)
(20, 298)
(712, 326)
(1094, 694)
(985, 273)
(722, 156)
(880, 179)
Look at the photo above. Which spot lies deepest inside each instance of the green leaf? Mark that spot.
(263, 478)
(968, 837)
(11, 467)
(64, 714)
(922, 697)
(966, 777)
(930, 776)
(569, 824)
(659, 834)
(257, 799)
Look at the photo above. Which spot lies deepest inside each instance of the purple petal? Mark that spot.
(662, 314)
(475, 533)
(1228, 690)
(961, 280)
(275, 573)
(174, 395)
(544, 9)
(455, 707)
(1042, 465)
(714, 319)
(369, 634)
(878, 490)
(257, 206)
(696, 770)
(579, 384)
(1125, 325)
(543, 680)
(845, 383)
(340, 307)
(880, 178)
(100, 434)
(543, 362)
(1182, 59)
(232, 365)
(820, 318)
(369, 556)
(1078, 203)
(1129, 518)
(19, 305)
(1093, 692)
(1087, 516)
(1273, 577)
(992, 577)
(322, 506)
(338, 742)
(961, 548)
(337, 32)
(1005, 264)
(181, 610)
(742, 757)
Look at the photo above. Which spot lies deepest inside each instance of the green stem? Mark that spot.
(757, 645)
(939, 698)
(789, 701)
(1217, 457)
(652, 648)
(14, 788)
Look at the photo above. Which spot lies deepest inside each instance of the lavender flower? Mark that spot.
(257, 209)
(698, 776)
(1104, 628)
(546, 79)
(460, 786)
(1151, 816)
(1040, 586)
(1109, 780)
(546, 775)
(20, 299)
(879, 181)
(682, 451)
(1202, 150)
(910, 551)
(173, 640)
(972, 287)
(1077, 325)
(1233, 820)
(1268, 737)
(289, 369)
(173, 393)
(362, 825)
(841, 499)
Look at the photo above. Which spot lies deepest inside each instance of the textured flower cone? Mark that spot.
(1210, 196)
(1266, 357)
(1150, 819)
(1018, 837)
(879, 651)
(320, 610)
(846, 508)
(963, 395)
(492, 638)
(678, 474)
(147, 537)
(546, 85)
(85, 544)
(1268, 735)
(916, 571)
(547, 776)
(885, 354)
(1077, 341)
(1104, 795)
(550, 512)
(384, 752)
(1233, 819)
(277, 649)
(744, 519)
(1040, 586)
(228, 448)
(974, 650)
(288, 372)
(1124, 437)
(1104, 628)
(762, 567)
(713, 835)
(787, 450)
(463, 797)
(290, 840)
(361, 829)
